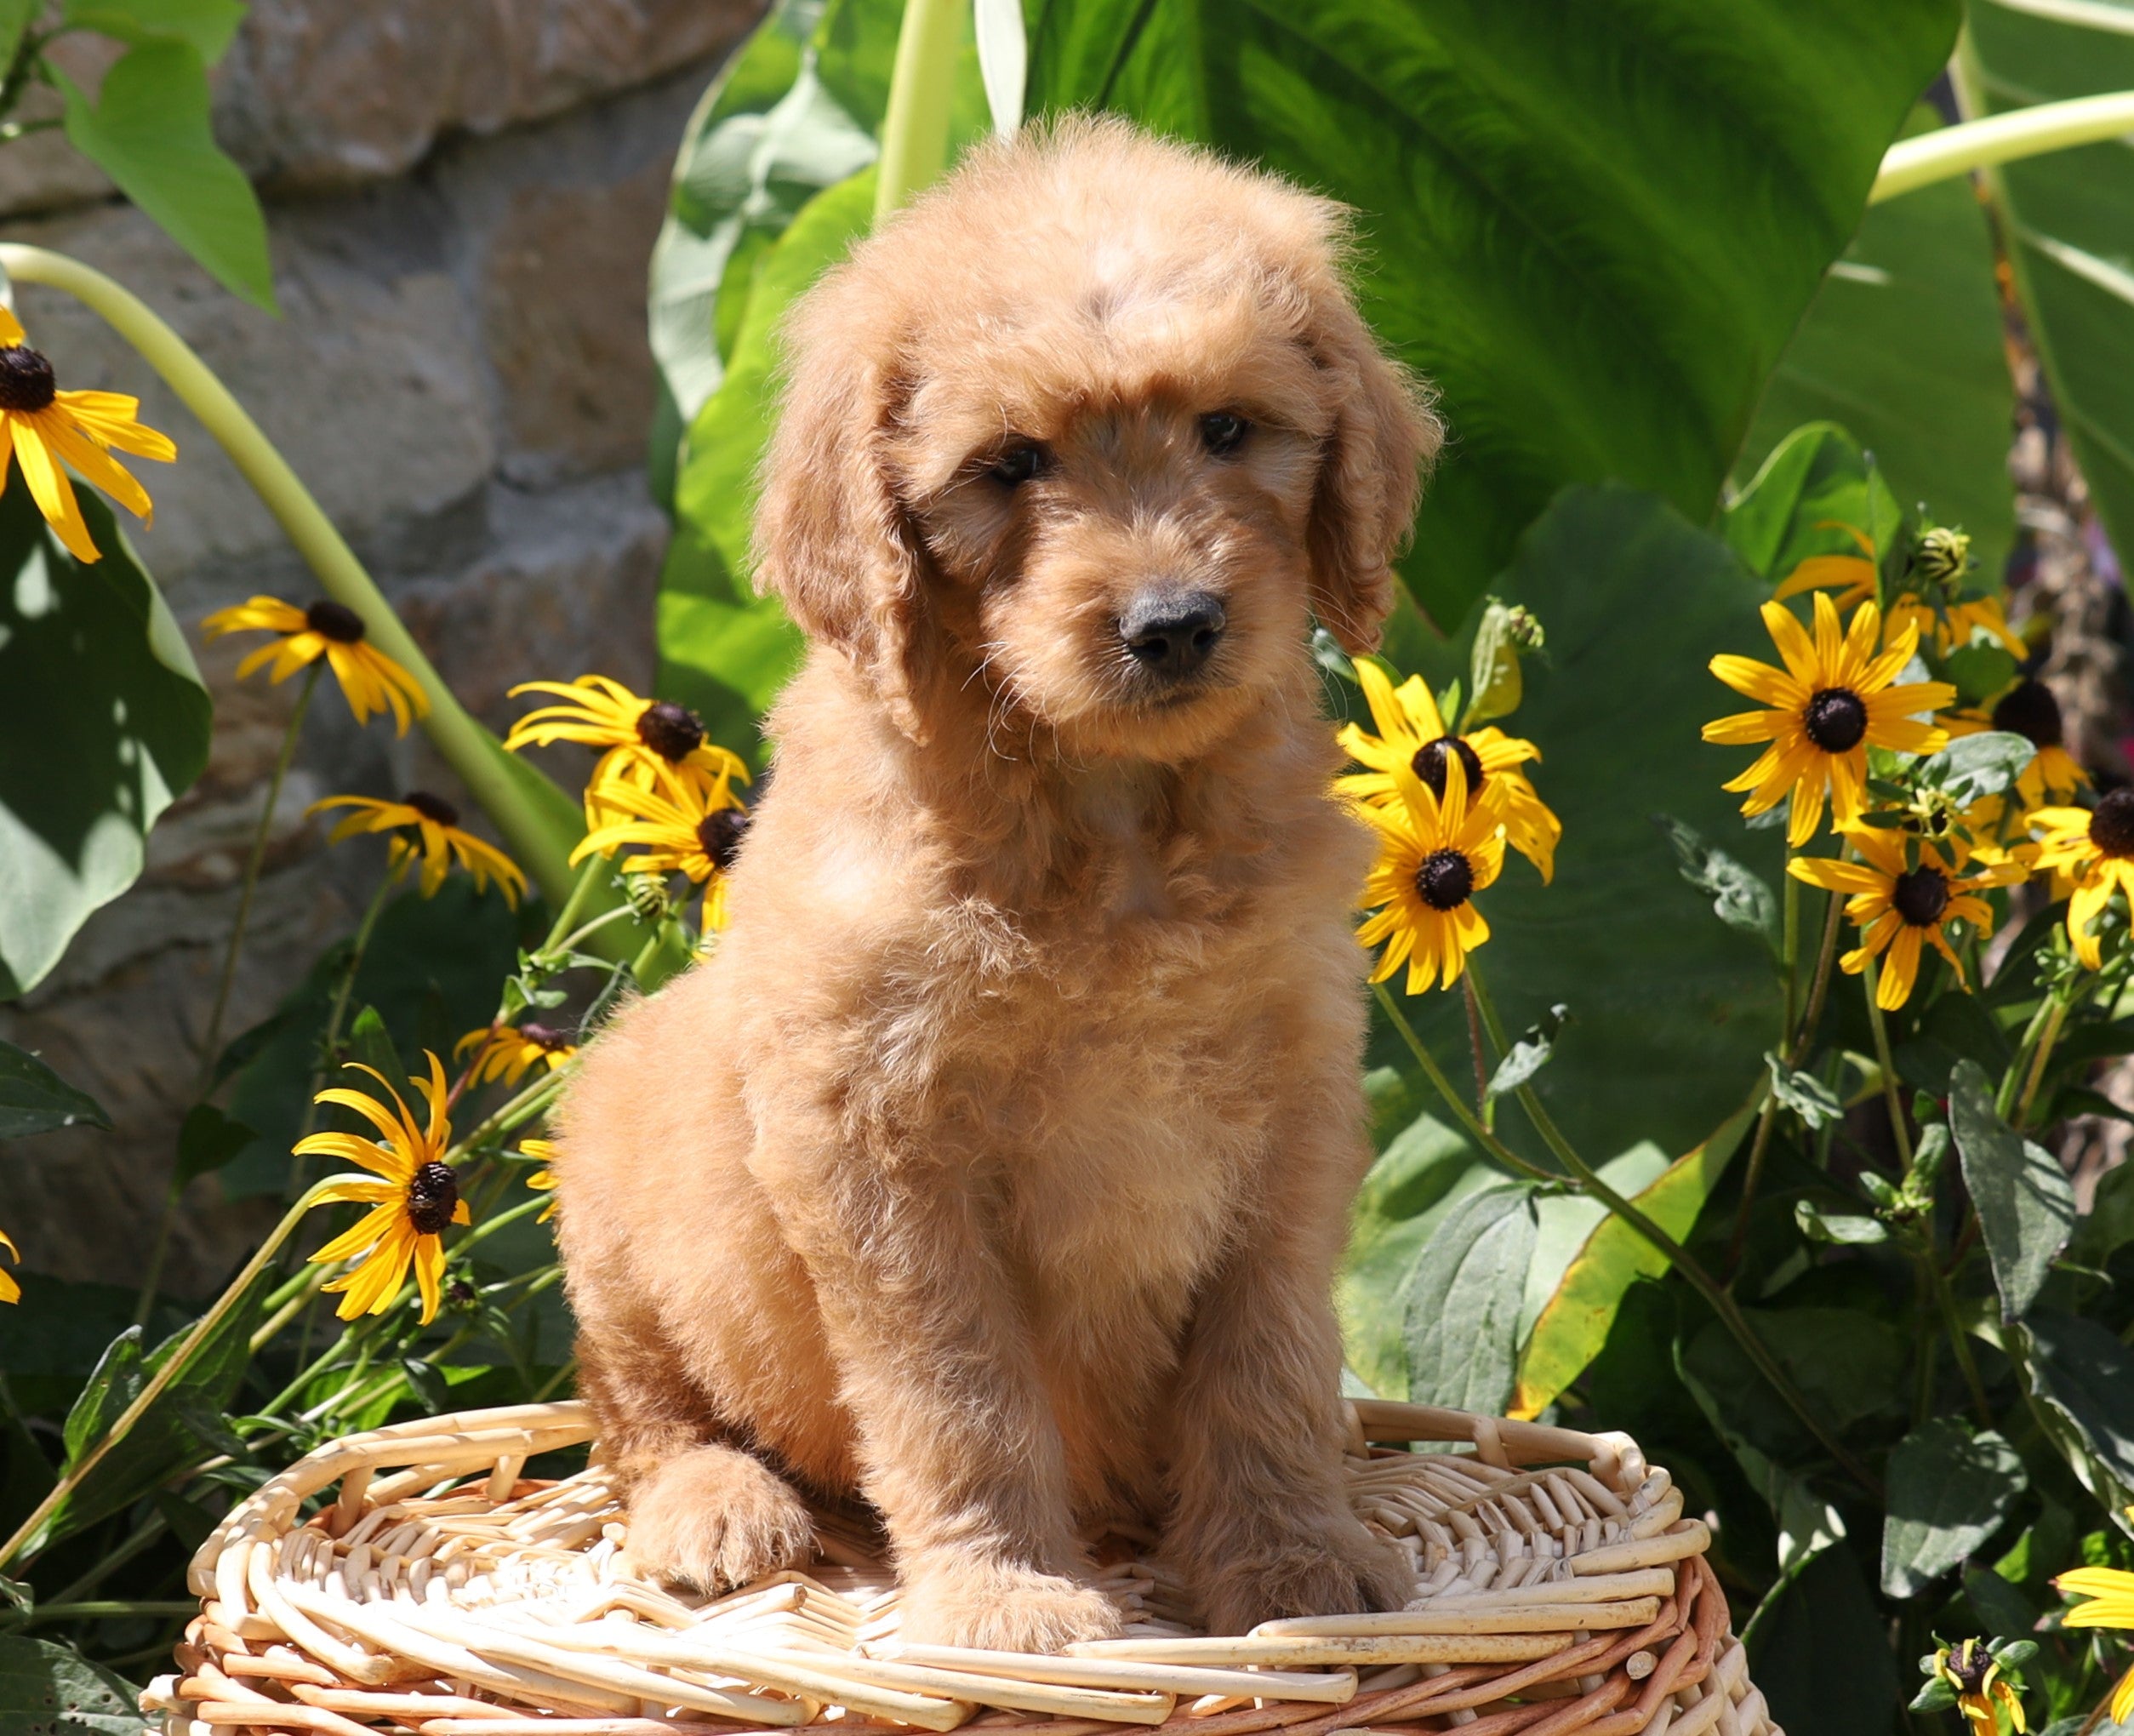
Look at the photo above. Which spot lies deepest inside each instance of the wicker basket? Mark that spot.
(444, 1593)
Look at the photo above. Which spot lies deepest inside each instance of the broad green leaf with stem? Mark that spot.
(1462, 1301)
(1741, 898)
(53, 1690)
(1817, 1650)
(100, 695)
(1950, 1488)
(2025, 1206)
(148, 129)
(1598, 272)
(2081, 1382)
(1814, 489)
(35, 1099)
(1903, 346)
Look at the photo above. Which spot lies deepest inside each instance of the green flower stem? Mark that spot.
(522, 1108)
(571, 942)
(109, 1609)
(1945, 1304)
(549, 1387)
(2039, 1057)
(490, 1225)
(1715, 1294)
(329, 1042)
(2008, 138)
(582, 891)
(300, 1290)
(26, 1532)
(1481, 1135)
(1900, 1129)
(914, 129)
(538, 821)
(1789, 944)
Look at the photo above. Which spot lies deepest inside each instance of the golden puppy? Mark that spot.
(995, 1167)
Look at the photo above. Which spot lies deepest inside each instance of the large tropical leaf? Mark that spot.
(106, 720)
(1903, 346)
(2068, 218)
(1595, 227)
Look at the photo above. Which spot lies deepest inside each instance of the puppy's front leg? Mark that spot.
(957, 1441)
(1260, 1527)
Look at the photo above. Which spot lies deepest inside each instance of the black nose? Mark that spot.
(1172, 632)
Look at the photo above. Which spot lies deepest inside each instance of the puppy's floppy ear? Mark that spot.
(832, 537)
(1384, 436)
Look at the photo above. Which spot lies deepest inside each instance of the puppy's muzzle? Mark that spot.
(1171, 634)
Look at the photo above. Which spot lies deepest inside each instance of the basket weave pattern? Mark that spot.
(442, 1592)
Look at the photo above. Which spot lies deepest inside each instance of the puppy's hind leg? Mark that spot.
(715, 1517)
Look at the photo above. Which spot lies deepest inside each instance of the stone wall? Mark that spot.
(462, 195)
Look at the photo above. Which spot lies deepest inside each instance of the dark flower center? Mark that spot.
(546, 1036)
(721, 835)
(2029, 709)
(1969, 1664)
(26, 379)
(1445, 880)
(1921, 895)
(2112, 826)
(334, 620)
(432, 807)
(1428, 763)
(669, 730)
(433, 1195)
(1835, 720)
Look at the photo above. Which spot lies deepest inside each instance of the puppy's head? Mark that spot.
(1096, 422)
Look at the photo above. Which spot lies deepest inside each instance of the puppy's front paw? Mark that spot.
(1002, 1607)
(1339, 1568)
(715, 1518)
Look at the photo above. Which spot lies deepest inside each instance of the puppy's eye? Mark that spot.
(1224, 431)
(1020, 463)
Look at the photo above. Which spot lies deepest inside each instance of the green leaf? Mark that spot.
(94, 672)
(372, 1045)
(1949, 1490)
(1805, 1095)
(1903, 345)
(2063, 219)
(52, 1690)
(1567, 1221)
(1464, 1298)
(149, 131)
(2110, 1224)
(1815, 1648)
(1598, 269)
(1675, 1011)
(35, 1099)
(2084, 1378)
(1979, 670)
(1492, 665)
(207, 1140)
(1848, 1362)
(1999, 1606)
(1529, 1054)
(1003, 52)
(1842, 1229)
(723, 650)
(1574, 1325)
(1975, 766)
(205, 26)
(1741, 898)
(1814, 491)
(2025, 1206)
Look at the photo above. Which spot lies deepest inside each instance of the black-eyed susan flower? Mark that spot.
(371, 681)
(1435, 854)
(416, 1196)
(426, 829)
(543, 1180)
(680, 824)
(2093, 848)
(10, 1291)
(1835, 697)
(639, 737)
(45, 427)
(1412, 733)
(2110, 1593)
(1975, 1675)
(1904, 893)
(510, 1052)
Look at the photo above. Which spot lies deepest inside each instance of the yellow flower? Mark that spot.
(1831, 702)
(642, 738)
(371, 681)
(2111, 1594)
(543, 1180)
(682, 824)
(428, 832)
(1975, 1674)
(410, 1207)
(2094, 849)
(1931, 609)
(42, 426)
(10, 1291)
(1413, 733)
(509, 1052)
(1898, 908)
(1434, 855)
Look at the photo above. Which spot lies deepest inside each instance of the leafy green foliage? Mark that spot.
(1589, 310)
(1815, 490)
(2026, 1209)
(2084, 1377)
(49, 1690)
(1741, 898)
(1464, 1298)
(98, 688)
(1528, 1054)
(1816, 1650)
(35, 1099)
(205, 26)
(1949, 1490)
(207, 1140)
